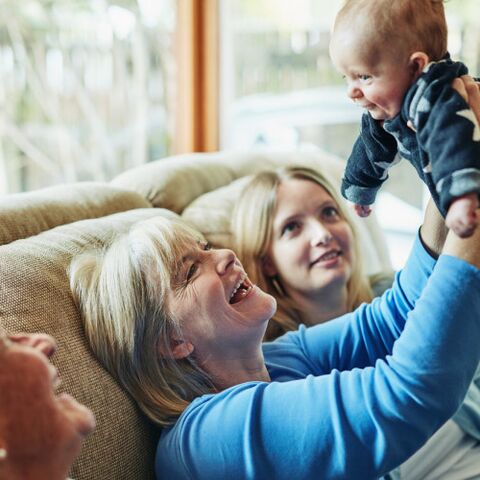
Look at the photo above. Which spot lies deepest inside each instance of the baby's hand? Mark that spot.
(362, 210)
(462, 215)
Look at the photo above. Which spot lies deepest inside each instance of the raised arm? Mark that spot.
(379, 324)
(360, 338)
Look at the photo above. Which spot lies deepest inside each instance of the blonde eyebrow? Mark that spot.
(189, 256)
(294, 216)
(287, 219)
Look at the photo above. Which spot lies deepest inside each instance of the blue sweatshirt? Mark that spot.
(350, 398)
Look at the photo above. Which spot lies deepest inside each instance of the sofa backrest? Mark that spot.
(23, 215)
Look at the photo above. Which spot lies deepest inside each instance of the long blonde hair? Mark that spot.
(252, 226)
(122, 292)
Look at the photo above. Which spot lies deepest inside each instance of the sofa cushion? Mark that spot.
(211, 213)
(174, 182)
(25, 214)
(35, 297)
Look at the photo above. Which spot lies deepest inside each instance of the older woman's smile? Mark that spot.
(241, 290)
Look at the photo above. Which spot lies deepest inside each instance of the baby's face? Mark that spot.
(378, 85)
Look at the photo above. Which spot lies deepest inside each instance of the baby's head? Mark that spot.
(382, 46)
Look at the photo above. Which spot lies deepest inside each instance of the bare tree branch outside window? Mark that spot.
(86, 88)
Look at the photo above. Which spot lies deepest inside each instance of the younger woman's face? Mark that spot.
(311, 247)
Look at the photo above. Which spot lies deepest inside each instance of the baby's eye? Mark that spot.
(364, 78)
(206, 246)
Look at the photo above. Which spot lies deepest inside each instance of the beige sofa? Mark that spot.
(39, 233)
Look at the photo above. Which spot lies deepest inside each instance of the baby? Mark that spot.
(393, 54)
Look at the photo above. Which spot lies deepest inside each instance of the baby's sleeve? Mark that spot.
(373, 153)
(450, 135)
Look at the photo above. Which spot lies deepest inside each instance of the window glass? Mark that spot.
(280, 89)
(86, 88)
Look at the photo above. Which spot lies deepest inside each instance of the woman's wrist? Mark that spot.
(433, 231)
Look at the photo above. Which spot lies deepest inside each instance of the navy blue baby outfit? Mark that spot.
(445, 149)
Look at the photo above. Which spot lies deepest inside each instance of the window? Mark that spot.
(280, 89)
(87, 88)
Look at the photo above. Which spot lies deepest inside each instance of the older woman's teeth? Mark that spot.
(241, 290)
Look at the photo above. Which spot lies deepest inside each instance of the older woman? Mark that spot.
(181, 327)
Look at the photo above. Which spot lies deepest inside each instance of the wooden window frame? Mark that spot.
(197, 102)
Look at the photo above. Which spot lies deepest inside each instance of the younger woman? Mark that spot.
(294, 236)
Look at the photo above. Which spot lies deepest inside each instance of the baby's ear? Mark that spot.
(418, 61)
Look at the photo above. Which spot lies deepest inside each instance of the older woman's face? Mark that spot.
(216, 304)
(41, 426)
(311, 246)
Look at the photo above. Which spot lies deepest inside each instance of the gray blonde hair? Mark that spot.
(398, 25)
(252, 226)
(122, 292)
